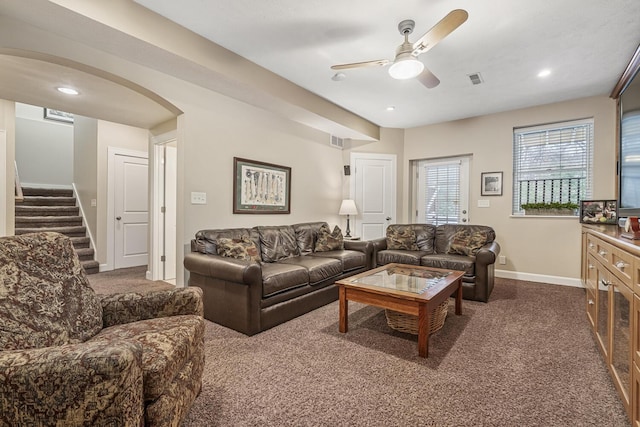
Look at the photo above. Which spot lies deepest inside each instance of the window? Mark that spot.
(630, 160)
(443, 191)
(552, 163)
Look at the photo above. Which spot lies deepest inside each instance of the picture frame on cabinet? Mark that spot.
(599, 212)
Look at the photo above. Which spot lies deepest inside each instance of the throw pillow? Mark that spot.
(401, 238)
(329, 241)
(464, 242)
(242, 248)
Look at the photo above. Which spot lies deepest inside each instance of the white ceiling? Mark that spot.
(585, 43)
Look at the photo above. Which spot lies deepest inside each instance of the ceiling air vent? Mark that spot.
(475, 78)
(337, 142)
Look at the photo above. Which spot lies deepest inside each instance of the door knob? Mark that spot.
(388, 218)
(118, 218)
(464, 219)
(464, 211)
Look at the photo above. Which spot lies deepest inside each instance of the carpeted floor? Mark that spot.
(125, 280)
(527, 358)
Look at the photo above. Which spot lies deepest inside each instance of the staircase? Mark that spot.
(46, 209)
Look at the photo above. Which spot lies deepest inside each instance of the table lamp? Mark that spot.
(348, 207)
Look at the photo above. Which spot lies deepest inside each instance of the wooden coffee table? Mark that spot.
(409, 289)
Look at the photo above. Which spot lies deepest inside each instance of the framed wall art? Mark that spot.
(491, 184)
(599, 211)
(57, 115)
(261, 188)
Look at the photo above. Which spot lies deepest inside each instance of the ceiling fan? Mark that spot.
(405, 64)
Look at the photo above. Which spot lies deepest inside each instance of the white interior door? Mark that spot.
(373, 188)
(443, 191)
(131, 208)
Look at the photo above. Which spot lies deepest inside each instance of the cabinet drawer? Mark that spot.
(622, 265)
(591, 279)
(601, 250)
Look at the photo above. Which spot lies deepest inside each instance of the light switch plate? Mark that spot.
(484, 203)
(198, 198)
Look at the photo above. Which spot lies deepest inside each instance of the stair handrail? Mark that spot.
(19, 194)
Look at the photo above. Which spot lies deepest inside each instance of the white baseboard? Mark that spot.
(104, 267)
(541, 278)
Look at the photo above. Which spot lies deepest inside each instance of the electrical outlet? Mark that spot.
(484, 203)
(198, 198)
(502, 259)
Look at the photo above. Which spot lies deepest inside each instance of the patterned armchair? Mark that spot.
(69, 357)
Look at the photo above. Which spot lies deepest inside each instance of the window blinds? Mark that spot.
(442, 198)
(630, 158)
(552, 163)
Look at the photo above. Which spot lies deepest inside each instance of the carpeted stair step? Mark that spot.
(80, 242)
(48, 201)
(47, 192)
(48, 221)
(91, 267)
(85, 254)
(47, 211)
(67, 231)
(54, 209)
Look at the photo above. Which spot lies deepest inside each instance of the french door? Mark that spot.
(442, 191)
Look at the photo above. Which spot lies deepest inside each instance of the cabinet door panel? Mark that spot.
(602, 314)
(621, 337)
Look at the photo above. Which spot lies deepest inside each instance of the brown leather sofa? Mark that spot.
(288, 277)
(468, 248)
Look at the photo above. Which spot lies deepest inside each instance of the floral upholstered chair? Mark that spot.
(70, 357)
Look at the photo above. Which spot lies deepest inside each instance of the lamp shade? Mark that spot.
(348, 207)
(406, 66)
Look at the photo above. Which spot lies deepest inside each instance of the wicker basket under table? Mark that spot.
(409, 323)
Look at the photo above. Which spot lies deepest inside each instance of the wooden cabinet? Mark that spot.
(611, 276)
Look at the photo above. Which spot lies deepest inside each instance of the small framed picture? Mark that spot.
(491, 184)
(57, 115)
(599, 212)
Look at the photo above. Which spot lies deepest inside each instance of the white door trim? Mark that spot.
(112, 152)
(155, 215)
(372, 156)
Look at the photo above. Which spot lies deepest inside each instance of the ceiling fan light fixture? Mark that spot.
(406, 66)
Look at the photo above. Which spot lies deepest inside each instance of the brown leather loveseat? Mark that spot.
(468, 248)
(256, 278)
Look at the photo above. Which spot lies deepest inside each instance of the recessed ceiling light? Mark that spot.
(391, 108)
(544, 73)
(338, 77)
(67, 90)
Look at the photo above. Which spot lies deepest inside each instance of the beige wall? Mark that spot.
(44, 148)
(85, 162)
(211, 136)
(538, 246)
(7, 123)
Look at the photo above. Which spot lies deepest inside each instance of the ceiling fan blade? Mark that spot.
(428, 79)
(379, 62)
(442, 29)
